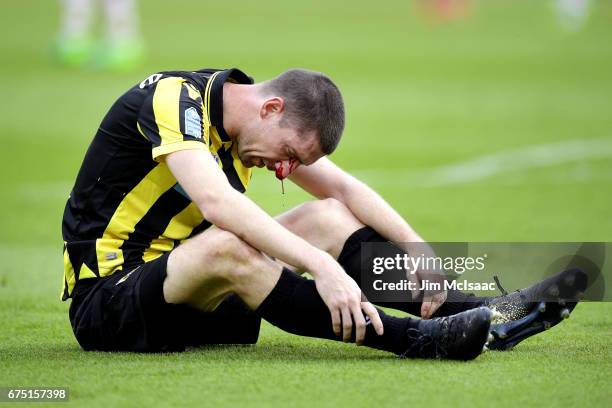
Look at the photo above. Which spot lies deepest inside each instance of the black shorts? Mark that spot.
(127, 312)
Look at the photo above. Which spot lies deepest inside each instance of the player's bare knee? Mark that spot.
(215, 254)
(237, 257)
(232, 248)
(324, 205)
(334, 217)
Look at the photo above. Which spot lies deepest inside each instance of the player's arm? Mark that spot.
(207, 186)
(324, 179)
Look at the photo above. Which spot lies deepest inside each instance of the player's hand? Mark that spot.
(432, 299)
(344, 300)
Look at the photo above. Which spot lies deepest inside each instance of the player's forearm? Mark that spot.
(372, 210)
(261, 231)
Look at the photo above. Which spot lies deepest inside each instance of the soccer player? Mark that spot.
(121, 49)
(572, 14)
(162, 251)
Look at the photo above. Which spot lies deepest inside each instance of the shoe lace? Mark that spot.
(503, 291)
(425, 345)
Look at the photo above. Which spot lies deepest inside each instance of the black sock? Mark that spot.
(350, 259)
(295, 306)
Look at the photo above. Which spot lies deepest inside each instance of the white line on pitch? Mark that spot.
(490, 165)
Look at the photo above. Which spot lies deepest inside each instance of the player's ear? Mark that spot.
(272, 106)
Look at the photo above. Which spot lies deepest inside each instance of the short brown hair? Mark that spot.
(312, 103)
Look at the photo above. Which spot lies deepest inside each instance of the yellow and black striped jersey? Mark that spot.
(126, 207)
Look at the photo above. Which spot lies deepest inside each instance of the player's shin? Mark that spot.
(294, 305)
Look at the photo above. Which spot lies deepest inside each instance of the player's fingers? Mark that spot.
(347, 324)
(360, 324)
(336, 321)
(436, 301)
(375, 320)
(432, 300)
(426, 306)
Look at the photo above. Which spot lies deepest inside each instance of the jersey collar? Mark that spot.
(215, 103)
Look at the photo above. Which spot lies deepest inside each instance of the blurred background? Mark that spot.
(478, 120)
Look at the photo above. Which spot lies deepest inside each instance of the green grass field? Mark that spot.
(443, 120)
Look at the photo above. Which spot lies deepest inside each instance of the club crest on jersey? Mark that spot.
(193, 124)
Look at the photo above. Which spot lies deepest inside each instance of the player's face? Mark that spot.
(267, 142)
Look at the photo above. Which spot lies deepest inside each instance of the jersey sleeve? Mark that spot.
(172, 118)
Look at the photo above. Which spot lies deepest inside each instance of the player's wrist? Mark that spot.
(317, 262)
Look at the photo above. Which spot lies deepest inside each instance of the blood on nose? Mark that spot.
(283, 168)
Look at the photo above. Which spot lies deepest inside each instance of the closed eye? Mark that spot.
(293, 156)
